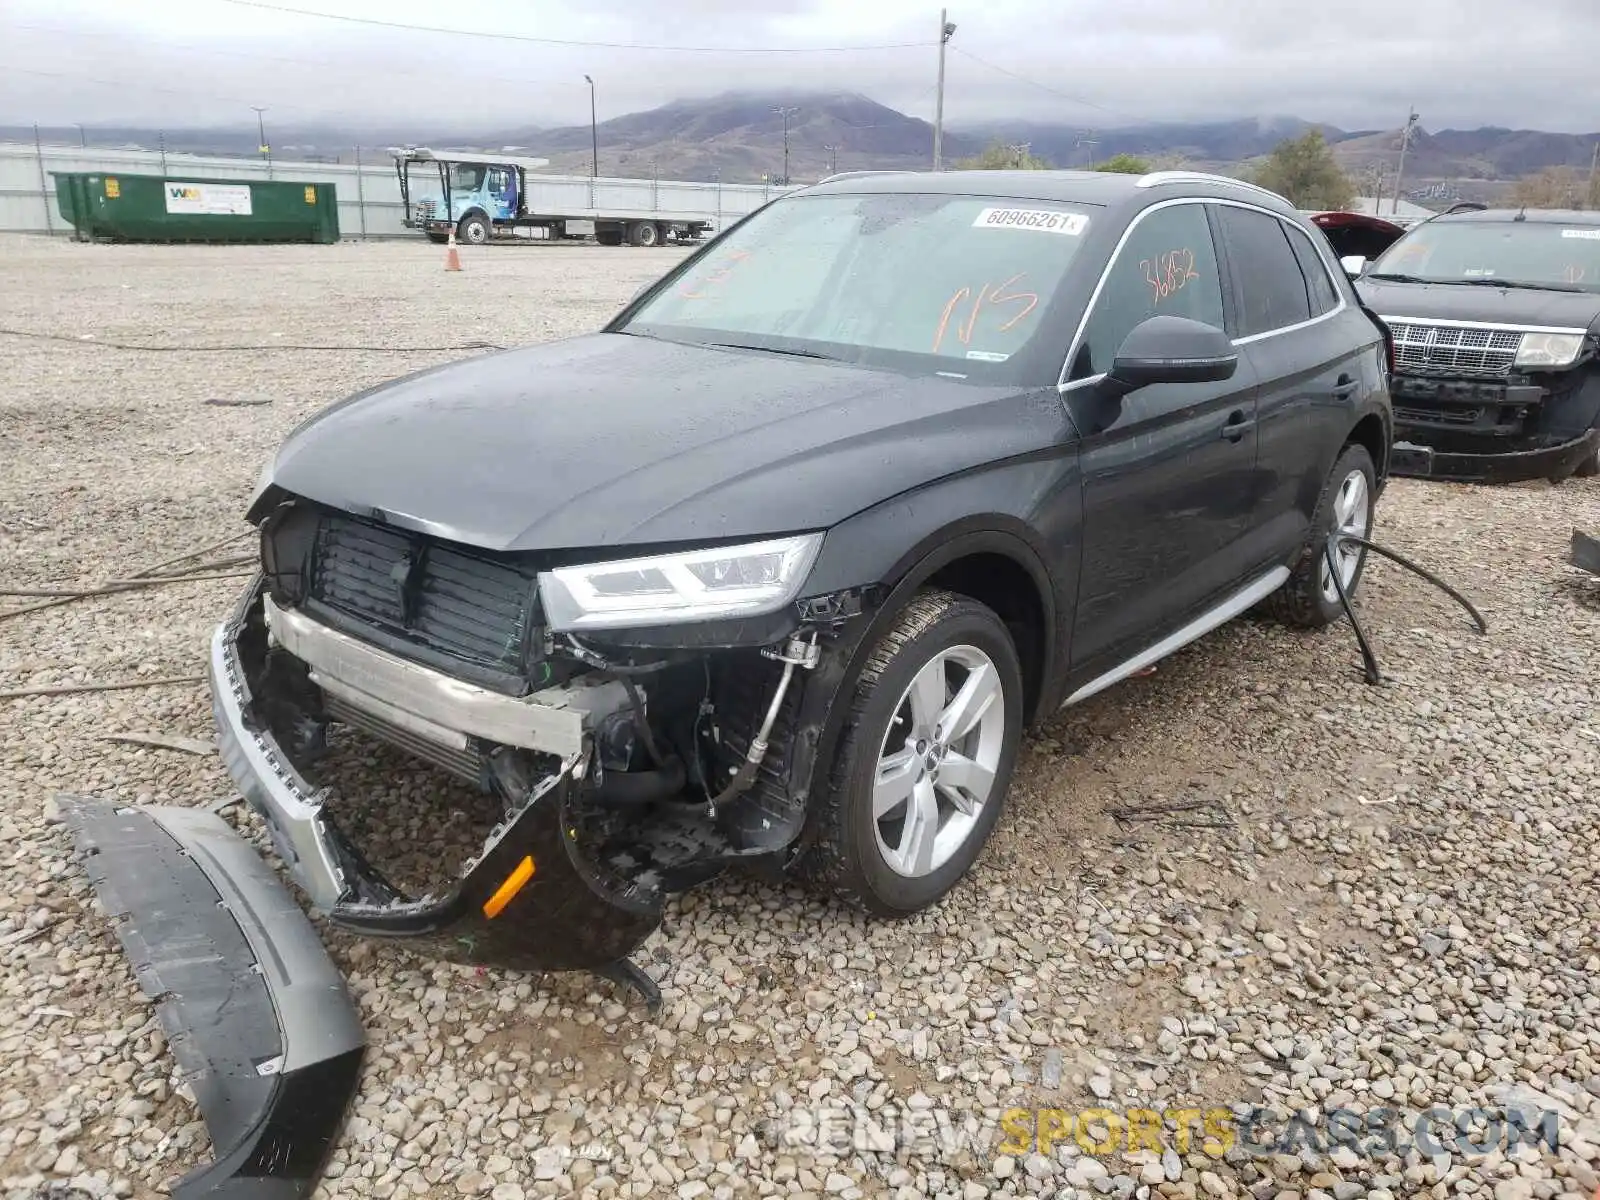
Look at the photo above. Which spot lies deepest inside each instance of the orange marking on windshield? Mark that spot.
(1167, 273)
(944, 317)
(1031, 297)
(713, 280)
(988, 294)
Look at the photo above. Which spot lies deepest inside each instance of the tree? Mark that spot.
(1002, 156)
(1124, 164)
(1556, 187)
(1304, 171)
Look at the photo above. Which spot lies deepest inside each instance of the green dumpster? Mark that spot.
(162, 208)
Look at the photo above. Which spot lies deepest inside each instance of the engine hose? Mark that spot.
(641, 721)
(635, 789)
(600, 662)
(1330, 552)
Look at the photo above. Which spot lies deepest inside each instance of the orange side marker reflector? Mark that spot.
(507, 891)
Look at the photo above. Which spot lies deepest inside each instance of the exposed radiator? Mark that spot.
(464, 763)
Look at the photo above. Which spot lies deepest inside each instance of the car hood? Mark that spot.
(1495, 306)
(611, 439)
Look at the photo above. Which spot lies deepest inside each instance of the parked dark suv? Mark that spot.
(1496, 322)
(776, 568)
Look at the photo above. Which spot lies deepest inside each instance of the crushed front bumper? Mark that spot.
(1502, 466)
(529, 900)
(254, 1011)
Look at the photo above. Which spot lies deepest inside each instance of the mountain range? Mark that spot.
(740, 137)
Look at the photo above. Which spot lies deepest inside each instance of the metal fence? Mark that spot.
(369, 193)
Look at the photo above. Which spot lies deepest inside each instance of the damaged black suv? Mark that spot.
(1495, 316)
(776, 567)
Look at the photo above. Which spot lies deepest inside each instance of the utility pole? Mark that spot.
(1019, 151)
(1086, 140)
(1590, 199)
(1400, 171)
(785, 113)
(946, 31)
(833, 159)
(594, 134)
(83, 138)
(261, 134)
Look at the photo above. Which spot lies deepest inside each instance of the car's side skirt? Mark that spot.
(1179, 638)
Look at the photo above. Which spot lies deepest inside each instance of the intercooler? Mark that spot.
(464, 760)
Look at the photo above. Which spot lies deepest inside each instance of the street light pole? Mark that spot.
(1400, 171)
(946, 32)
(261, 134)
(786, 113)
(594, 133)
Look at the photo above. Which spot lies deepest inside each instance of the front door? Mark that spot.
(1166, 482)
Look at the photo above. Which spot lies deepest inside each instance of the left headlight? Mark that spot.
(672, 589)
(1549, 349)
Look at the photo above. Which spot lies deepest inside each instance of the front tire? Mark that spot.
(1309, 599)
(474, 230)
(1589, 467)
(644, 233)
(925, 759)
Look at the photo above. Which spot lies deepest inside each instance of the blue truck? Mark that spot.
(483, 199)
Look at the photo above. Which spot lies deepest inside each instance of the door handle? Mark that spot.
(1237, 425)
(1346, 386)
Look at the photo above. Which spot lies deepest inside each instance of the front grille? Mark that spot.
(464, 607)
(1452, 349)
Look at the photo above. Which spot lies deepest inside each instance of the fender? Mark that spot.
(831, 686)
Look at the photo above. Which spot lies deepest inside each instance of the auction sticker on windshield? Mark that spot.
(1042, 219)
(1591, 234)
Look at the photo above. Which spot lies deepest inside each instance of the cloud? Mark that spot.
(1098, 63)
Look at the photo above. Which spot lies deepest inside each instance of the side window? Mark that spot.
(1167, 265)
(1272, 289)
(1324, 297)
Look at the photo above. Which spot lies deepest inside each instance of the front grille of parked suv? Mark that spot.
(1427, 348)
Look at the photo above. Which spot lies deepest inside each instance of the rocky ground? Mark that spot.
(1371, 897)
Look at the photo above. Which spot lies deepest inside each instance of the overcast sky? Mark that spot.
(1095, 63)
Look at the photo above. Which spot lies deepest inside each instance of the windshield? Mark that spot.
(1541, 253)
(924, 281)
(465, 177)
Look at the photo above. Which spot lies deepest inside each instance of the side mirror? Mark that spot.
(1166, 349)
(1354, 265)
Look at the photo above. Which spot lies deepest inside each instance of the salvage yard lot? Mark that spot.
(1366, 896)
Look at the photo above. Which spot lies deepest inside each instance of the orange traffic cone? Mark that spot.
(452, 256)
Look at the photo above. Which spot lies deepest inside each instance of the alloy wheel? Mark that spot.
(938, 760)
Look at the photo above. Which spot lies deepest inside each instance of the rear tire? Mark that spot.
(608, 237)
(1308, 599)
(644, 233)
(910, 802)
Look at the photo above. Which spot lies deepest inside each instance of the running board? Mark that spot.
(1197, 628)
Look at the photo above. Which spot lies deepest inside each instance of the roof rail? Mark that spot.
(1157, 178)
(853, 175)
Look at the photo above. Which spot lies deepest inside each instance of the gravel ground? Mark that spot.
(1385, 896)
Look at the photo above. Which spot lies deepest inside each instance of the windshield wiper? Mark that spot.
(1517, 283)
(774, 350)
(1399, 278)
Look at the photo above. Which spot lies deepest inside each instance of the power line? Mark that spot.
(144, 87)
(549, 41)
(1045, 87)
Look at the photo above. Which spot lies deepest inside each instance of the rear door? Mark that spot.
(1285, 321)
(1164, 481)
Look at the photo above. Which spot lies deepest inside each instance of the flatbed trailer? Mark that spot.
(485, 199)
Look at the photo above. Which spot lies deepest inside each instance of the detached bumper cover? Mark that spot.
(569, 914)
(1504, 466)
(256, 1014)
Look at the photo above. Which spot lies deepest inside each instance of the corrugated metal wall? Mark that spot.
(369, 195)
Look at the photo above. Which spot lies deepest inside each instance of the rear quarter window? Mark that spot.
(1320, 288)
